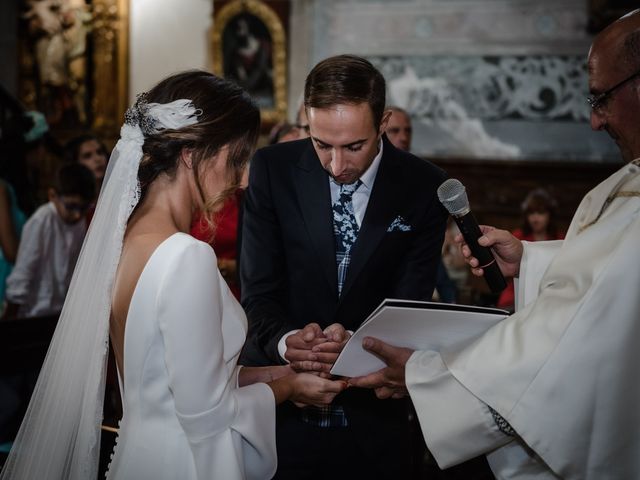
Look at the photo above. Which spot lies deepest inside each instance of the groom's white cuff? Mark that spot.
(282, 345)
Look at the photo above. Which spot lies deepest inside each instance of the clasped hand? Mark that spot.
(315, 350)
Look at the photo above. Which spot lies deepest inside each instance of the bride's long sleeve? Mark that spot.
(231, 430)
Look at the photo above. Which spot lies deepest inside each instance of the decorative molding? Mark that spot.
(482, 78)
(462, 27)
(507, 107)
(489, 88)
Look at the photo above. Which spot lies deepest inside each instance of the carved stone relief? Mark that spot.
(496, 107)
(481, 78)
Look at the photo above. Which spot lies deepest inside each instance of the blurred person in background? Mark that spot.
(19, 134)
(225, 237)
(50, 245)
(399, 130)
(89, 151)
(539, 223)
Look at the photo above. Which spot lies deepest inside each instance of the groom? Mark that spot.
(333, 225)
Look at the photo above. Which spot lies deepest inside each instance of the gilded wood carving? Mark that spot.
(74, 64)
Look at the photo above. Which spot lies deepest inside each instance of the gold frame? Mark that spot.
(111, 60)
(265, 13)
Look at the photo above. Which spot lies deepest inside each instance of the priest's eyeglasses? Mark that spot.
(596, 102)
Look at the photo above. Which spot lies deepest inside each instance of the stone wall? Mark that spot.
(481, 78)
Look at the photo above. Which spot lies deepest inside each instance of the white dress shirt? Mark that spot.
(47, 255)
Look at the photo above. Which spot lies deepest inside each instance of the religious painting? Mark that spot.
(73, 64)
(249, 48)
(247, 52)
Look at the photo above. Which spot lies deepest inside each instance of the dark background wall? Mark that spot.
(496, 188)
(9, 44)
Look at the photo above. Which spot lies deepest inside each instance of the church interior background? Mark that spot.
(495, 88)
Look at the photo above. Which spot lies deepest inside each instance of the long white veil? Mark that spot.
(60, 434)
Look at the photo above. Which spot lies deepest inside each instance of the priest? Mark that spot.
(552, 391)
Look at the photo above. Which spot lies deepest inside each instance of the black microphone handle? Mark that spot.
(470, 230)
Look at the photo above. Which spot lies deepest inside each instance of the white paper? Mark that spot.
(415, 325)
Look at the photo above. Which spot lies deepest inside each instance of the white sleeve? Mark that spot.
(536, 258)
(21, 282)
(455, 424)
(231, 430)
(282, 344)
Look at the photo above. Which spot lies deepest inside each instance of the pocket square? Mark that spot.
(399, 225)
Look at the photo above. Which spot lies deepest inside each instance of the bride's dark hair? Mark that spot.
(227, 116)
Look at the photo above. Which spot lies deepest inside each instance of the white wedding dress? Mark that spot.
(184, 415)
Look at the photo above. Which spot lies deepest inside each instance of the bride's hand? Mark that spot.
(309, 389)
(306, 389)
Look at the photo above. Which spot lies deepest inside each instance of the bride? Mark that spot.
(189, 411)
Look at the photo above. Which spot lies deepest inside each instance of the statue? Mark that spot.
(59, 30)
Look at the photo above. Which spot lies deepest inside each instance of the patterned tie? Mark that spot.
(345, 229)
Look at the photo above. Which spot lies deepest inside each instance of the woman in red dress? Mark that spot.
(224, 239)
(539, 210)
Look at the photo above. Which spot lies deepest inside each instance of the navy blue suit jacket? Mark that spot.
(289, 273)
(288, 267)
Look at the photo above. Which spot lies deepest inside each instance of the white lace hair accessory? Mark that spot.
(60, 434)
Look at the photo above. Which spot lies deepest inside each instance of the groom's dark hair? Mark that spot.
(346, 80)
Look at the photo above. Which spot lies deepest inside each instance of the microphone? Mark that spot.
(453, 197)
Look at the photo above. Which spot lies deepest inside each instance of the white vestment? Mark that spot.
(564, 369)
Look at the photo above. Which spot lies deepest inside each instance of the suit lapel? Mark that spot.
(381, 210)
(314, 197)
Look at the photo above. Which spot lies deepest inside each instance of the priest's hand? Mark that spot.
(507, 250)
(388, 382)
